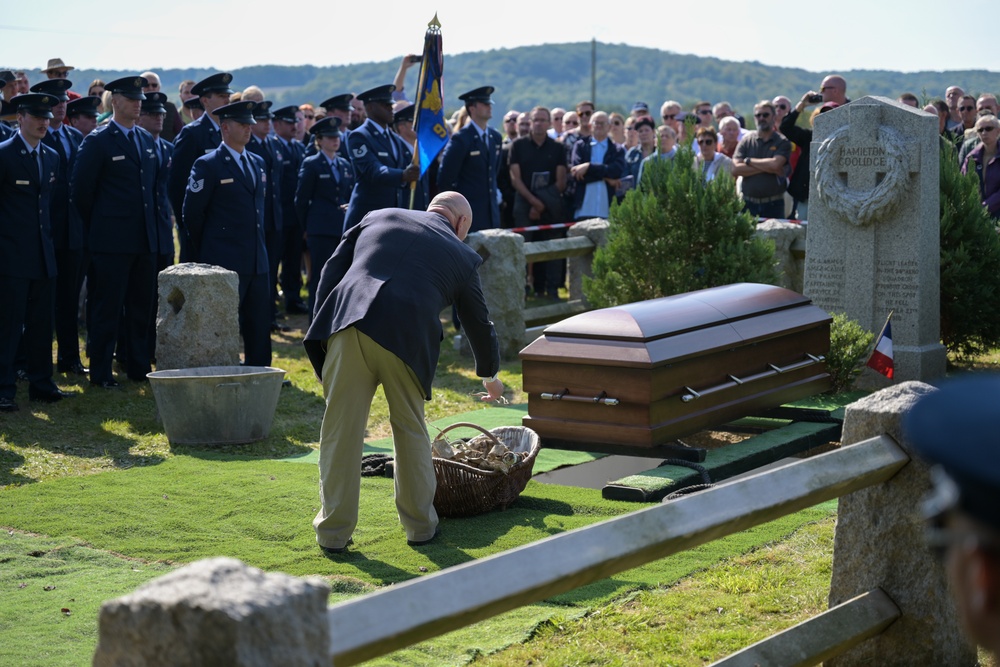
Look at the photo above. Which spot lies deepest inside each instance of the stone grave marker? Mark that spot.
(873, 244)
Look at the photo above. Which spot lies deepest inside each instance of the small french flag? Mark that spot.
(881, 359)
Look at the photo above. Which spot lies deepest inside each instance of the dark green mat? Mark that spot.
(491, 417)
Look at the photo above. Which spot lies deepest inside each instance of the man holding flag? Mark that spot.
(471, 160)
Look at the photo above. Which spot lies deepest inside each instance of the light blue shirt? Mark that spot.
(595, 199)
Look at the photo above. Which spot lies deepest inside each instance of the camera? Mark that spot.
(416, 59)
(815, 99)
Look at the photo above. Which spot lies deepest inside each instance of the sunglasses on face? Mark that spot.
(670, 116)
(704, 112)
(706, 141)
(966, 108)
(572, 123)
(984, 130)
(782, 106)
(310, 117)
(766, 114)
(584, 114)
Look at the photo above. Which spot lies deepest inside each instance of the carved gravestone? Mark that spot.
(502, 277)
(874, 228)
(197, 320)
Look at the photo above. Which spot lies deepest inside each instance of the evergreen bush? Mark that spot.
(675, 233)
(850, 346)
(970, 264)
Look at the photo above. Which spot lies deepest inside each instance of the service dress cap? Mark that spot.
(378, 94)
(263, 110)
(241, 112)
(327, 127)
(287, 114)
(55, 87)
(128, 86)
(958, 428)
(217, 83)
(155, 103)
(338, 102)
(83, 106)
(38, 105)
(483, 94)
(404, 113)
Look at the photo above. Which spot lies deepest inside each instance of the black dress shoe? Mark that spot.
(53, 396)
(105, 384)
(73, 369)
(296, 308)
(279, 328)
(8, 405)
(330, 551)
(22, 375)
(420, 543)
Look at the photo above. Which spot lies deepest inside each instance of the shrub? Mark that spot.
(673, 234)
(970, 264)
(850, 346)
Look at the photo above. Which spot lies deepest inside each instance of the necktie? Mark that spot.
(333, 168)
(60, 147)
(38, 163)
(392, 145)
(246, 170)
(133, 139)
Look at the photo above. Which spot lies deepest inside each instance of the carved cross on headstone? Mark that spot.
(863, 161)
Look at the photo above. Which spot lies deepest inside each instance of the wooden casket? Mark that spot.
(632, 377)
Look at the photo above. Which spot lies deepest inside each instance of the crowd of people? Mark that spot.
(269, 192)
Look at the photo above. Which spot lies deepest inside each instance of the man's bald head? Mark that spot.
(456, 209)
(834, 89)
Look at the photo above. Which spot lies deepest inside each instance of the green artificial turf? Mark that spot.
(207, 504)
(491, 417)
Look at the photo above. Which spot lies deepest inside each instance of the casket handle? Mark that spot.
(564, 395)
(734, 381)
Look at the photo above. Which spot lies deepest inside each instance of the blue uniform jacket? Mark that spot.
(378, 174)
(319, 196)
(391, 277)
(469, 167)
(195, 139)
(268, 151)
(67, 228)
(115, 192)
(26, 249)
(164, 225)
(225, 216)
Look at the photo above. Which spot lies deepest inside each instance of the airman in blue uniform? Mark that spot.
(471, 159)
(28, 172)
(291, 152)
(381, 171)
(224, 210)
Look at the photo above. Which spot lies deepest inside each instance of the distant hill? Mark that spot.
(559, 75)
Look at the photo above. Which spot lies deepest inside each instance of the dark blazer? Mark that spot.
(164, 151)
(613, 166)
(391, 277)
(272, 187)
(195, 139)
(378, 175)
(290, 155)
(115, 191)
(469, 167)
(319, 196)
(26, 249)
(225, 216)
(67, 228)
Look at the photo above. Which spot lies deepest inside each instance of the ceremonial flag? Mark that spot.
(428, 121)
(881, 359)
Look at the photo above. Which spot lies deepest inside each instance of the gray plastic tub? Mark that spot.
(217, 405)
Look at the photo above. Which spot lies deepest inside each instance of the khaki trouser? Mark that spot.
(354, 367)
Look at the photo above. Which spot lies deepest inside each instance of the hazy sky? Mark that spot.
(821, 36)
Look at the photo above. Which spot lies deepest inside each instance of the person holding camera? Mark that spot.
(798, 184)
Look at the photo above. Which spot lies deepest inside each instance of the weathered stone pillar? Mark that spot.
(880, 544)
(597, 231)
(197, 321)
(784, 234)
(217, 612)
(502, 275)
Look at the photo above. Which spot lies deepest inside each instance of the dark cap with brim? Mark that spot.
(129, 86)
(83, 106)
(55, 87)
(958, 428)
(6, 76)
(483, 94)
(241, 112)
(35, 104)
(327, 127)
(379, 94)
(194, 103)
(287, 114)
(217, 83)
(338, 102)
(405, 113)
(155, 103)
(263, 110)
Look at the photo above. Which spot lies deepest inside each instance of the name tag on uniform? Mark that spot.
(117, 158)
(208, 150)
(225, 181)
(383, 154)
(22, 182)
(324, 175)
(473, 152)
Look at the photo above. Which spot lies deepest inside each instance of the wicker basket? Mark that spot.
(463, 490)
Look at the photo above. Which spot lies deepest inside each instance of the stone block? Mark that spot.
(502, 276)
(217, 612)
(784, 234)
(596, 230)
(197, 322)
(879, 544)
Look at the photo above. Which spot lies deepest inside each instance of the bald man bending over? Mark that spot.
(376, 321)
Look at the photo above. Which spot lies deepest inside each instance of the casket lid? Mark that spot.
(659, 318)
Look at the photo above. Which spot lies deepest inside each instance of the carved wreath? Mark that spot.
(861, 207)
